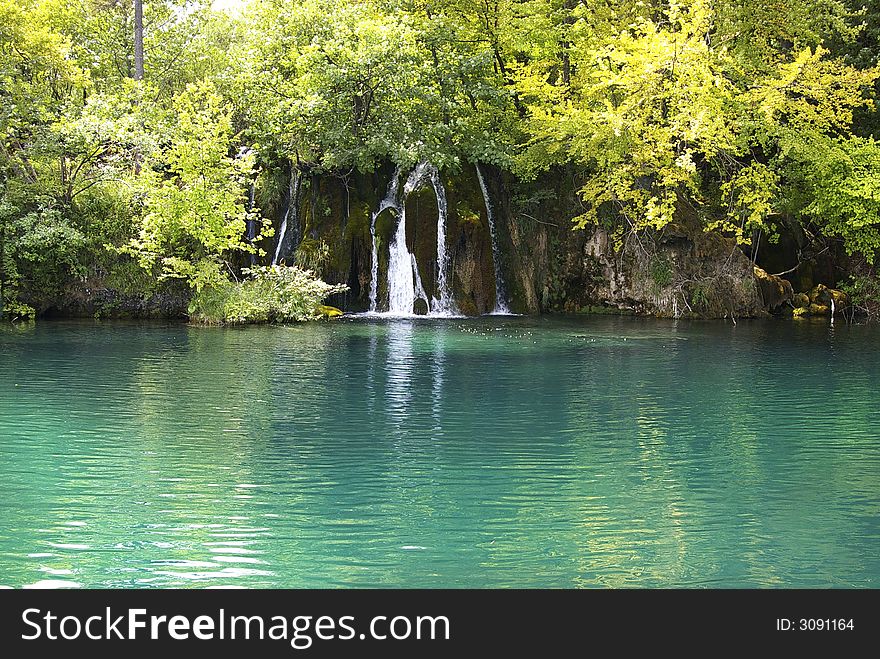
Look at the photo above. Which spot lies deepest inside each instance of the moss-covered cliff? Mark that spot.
(545, 264)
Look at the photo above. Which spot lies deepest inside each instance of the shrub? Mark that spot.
(15, 311)
(312, 254)
(271, 294)
(661, 273)
(864, 293)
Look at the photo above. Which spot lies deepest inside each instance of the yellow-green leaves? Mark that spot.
(671, 103)
(844, 180)
(195, 211)
(811, 92)
(750, 195)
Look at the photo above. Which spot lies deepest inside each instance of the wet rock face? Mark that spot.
(96, 299)
(828, 297)
(775, 291)
(677, 275)
(546, 265)
(474, 287)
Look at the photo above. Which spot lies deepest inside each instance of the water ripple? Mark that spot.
(506, 451)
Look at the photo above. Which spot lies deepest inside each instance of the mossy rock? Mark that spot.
(775, 291)
(801, 300)
(468, 307)
(420, 307)
(596, 309)
(820, 295)
(841, 299)
(819, 310)
(329, 312)
(823, 296)
(801, 312)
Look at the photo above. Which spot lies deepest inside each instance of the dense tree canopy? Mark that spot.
(748, 113)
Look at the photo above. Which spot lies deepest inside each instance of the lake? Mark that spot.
(486, 452)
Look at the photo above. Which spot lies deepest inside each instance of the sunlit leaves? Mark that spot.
(844, 178)
(689, 101)
(195, 208)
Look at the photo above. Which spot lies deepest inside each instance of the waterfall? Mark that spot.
(401, 263)
(444, 304)
(404, 282)
(420, 293)
(832, 309)
(285, 246)
(390, 201)
(501, 306)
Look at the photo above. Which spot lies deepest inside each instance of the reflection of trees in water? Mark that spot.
(433, 453)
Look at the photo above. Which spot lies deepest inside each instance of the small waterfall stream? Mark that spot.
(390, 201)
(444, 304)
(501, 306)
(401, 280)
(288, 240)
(404, 282)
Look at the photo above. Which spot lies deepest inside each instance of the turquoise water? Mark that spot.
(494, 452)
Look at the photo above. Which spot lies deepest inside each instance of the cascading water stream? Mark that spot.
(284, 246)
(501, 306)
(401, 281)
(442, 305)
(405, 285)
(420, 293)
(390, 201)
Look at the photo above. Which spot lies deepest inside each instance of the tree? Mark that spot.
(686, 104)
(196, 214)
(138, 39)
(843, 178)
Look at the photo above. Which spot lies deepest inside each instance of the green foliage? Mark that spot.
(690, 102)
(271, 294)
(17, 311)
(661, 272)
(844, 179)
(195, 213)
(41, 251)
(700, 292)
(346, 83)
(312, 254)
(863, 291)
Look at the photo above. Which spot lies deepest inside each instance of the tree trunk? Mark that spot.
(138, 39)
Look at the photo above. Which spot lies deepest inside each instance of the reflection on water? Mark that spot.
(399, 370)
(483, 452)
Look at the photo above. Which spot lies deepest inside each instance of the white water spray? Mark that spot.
(404, 282)
(292, 210)
(420, 293)
(390, 201)
(501, 306)
(401, 280)
(444, 304)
